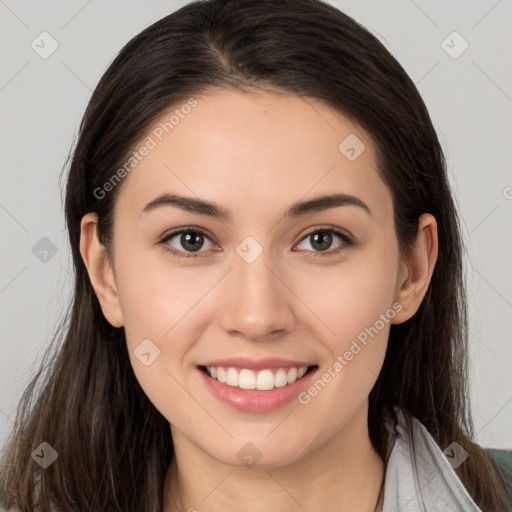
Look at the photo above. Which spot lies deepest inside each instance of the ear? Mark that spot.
(99, 269)
(416, 269)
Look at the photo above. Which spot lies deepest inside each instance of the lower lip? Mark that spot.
(253, 400)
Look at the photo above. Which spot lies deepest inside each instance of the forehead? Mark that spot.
(258, 150)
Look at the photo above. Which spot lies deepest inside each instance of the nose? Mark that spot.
(258, 302)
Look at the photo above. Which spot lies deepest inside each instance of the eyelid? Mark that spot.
(327, 227)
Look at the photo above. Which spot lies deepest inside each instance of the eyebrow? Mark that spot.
(201, 207)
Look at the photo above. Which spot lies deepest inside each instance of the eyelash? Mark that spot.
(347, 241)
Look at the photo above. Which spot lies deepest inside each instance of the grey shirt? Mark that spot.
(428, 485)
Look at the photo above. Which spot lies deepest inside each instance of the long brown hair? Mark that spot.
(114, 447)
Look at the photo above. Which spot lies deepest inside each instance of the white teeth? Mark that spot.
(280, 378)
(232, 377)
(246, 380)
(264, 380)
(292, 375)
(221, 374)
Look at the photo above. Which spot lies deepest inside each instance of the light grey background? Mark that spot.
(42, 101)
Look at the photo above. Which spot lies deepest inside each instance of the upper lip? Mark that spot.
(256, 364)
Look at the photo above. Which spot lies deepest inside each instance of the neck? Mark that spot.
(344, 473)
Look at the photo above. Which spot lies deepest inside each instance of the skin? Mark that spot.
(255, 155)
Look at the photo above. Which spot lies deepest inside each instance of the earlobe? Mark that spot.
(416, 271)
(99, 269)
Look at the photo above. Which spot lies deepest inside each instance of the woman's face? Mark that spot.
(267, 288)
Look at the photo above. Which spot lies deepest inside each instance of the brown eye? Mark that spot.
(186, 241)
(321, 240)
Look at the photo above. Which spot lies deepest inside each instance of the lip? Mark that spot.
(257, 364)
(253, 400)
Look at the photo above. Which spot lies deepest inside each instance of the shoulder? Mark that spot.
(503, 459)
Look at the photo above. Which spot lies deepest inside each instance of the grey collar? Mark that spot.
(428, 484)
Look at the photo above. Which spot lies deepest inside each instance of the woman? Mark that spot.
(269, 310)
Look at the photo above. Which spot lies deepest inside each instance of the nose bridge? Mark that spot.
(258, 303)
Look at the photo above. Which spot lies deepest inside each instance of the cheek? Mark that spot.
(165, 305)
(153, 295)
(157, 312)
(356, 311)
(356, 317)
(350, 296)
(354, 303)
